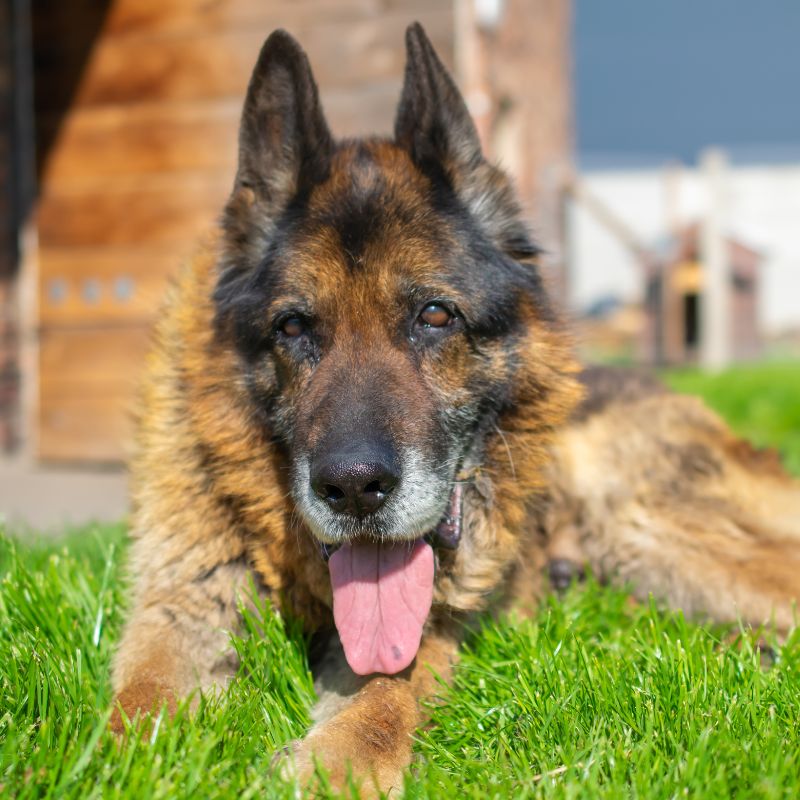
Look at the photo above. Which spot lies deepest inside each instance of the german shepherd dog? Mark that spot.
(361, 398)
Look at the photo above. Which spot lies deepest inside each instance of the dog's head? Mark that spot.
(385, 309)
(375, 290)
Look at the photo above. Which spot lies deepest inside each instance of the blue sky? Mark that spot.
(661, 78)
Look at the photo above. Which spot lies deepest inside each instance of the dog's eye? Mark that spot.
(435, 316)
(293, 327)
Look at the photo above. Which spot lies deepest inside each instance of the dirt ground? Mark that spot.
(50, 499)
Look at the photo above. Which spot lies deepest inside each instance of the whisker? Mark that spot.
(508, 452)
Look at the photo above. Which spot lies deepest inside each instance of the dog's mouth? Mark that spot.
(382, 593)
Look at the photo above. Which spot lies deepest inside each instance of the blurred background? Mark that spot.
(656, 148)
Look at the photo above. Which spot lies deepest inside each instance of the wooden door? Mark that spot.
(137, 157)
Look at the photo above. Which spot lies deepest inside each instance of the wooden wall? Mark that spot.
(9, 342)
(137, 105)
(515, 70)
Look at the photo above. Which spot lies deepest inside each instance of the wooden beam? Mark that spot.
(715, 318)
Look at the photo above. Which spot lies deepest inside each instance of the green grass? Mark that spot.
(596, 697)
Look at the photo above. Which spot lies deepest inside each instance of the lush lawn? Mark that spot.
(595, 698)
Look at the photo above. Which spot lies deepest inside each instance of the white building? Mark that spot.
(762, 209)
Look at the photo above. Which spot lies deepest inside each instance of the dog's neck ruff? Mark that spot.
(382, 593)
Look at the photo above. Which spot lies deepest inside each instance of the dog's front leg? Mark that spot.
(364, 726)
(177, 638)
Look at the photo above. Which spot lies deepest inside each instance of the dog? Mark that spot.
(361, 399)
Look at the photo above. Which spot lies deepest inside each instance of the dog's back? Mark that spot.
(652, 489)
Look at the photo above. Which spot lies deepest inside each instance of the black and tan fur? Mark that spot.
(351, 238)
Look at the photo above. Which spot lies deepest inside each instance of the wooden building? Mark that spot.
(118, 123)
(674, 301)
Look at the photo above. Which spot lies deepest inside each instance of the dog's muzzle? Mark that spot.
(445, 536)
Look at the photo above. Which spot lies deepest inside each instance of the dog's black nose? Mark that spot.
(356, 481)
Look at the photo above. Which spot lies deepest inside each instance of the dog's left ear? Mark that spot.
(434, 126)
(433, 123)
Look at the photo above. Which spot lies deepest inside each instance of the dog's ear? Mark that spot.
(434, 126)
(285, 147)
(284, 141)
(433, 123)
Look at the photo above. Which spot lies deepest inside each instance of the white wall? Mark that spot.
(763, 212)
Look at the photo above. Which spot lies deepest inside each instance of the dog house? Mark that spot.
(675, 301)
(118, 130)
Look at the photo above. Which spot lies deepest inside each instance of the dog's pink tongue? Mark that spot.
(382, 594)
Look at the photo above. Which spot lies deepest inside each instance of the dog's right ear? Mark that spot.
(433, 123)
(284, 141)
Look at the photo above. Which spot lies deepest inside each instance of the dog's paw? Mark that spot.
(284, 765)
(148, 701)
(324, 759)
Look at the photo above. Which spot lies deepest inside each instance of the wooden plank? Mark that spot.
(166, 137)
(128, 16)
(96, 285)
(196, 16)
(192, 16)
(101, 356)
(85, 428)
(157, 210)
(145, 138)
(126, 69)
(364, 110)
(87, 391)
